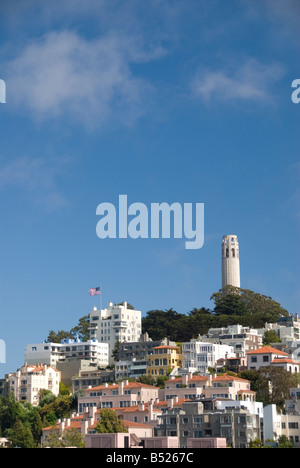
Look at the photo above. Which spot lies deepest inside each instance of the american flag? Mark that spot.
(94, 291)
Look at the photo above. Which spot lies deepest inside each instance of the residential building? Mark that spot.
(287, 328)
(91, 378)
(234, 364)
(199, 356)
(121, 395)
(144, 413)
(242, 339)
(193, 387)
(27, 382)
(188, 387)
(236, 424)
(230, 387)
(85, 424)
(139, 349)
(264, 357)
(130, 369)
(117, 323)
(277, 424)
(164, 359)
(52, 354)
(292, 405)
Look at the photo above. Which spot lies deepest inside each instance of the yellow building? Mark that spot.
(163, 360)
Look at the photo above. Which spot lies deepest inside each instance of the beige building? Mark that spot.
(27, 382)
(194, 387)
(121, 395)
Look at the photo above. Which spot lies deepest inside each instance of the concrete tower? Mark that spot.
(230, 261)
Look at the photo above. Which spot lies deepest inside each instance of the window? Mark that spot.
(293, 425)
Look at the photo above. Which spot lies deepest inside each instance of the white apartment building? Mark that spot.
(277, 424)
(116, 323)
(198, 356)
(30, 379)
(53, 353)
(287, 328)
(243, 339)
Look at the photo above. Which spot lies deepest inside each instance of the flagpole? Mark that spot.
(100, 297)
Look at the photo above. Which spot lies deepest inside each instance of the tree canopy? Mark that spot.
(231, 306)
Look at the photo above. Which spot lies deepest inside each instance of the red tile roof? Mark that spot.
(267, 350)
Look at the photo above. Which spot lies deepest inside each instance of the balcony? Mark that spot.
(120, 325)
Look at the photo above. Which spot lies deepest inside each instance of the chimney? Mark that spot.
(84, 427)
(121, 388)
(150, 408)
(185, 379)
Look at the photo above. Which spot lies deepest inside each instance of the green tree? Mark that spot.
(109, 422)
(146, 379)
(53, 439)
(72, 438)
(270, 336)
(82, 329)
(284, 442)
(115, 351)
(256, 443)
(36, 428)
(274, 385)
(20, 435)
(56, 337)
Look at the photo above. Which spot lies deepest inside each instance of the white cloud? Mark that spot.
(252, 81)
(37, 176)
(88, 81)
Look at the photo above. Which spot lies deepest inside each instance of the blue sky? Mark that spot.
(165, 101)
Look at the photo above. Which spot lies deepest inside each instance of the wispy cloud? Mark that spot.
(37, 176)
(87, 81)
(252, 81)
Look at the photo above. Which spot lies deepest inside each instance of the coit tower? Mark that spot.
(230, 261)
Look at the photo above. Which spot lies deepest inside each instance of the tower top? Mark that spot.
(230, 261)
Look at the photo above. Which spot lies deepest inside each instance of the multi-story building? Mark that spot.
(198, 356)
(91, 378)
(287, 328)
(27, 382)
(237, 424)
(277, 424)
(292, 405)
(188, 387)
(163, 360)
(242, 339)
(193, 387)
(117, 323)
(130, 369)
(264, 357)
(139, 349)
(52, 354)
(121, 395)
